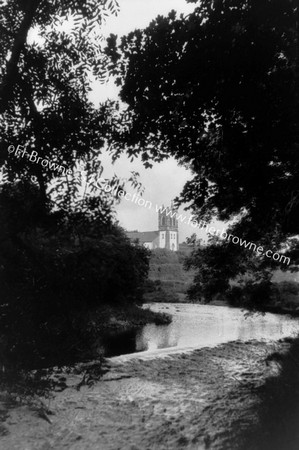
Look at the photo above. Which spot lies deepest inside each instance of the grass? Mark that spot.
(129, 317)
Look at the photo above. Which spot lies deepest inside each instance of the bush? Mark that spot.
(56, 269)
(252, 295)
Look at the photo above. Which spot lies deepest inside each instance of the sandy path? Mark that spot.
(197, 400)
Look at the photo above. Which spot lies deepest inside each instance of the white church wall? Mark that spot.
(162, 239)
(148, 245)
(173, 241)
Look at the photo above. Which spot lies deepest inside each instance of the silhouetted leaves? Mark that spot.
(218, 90)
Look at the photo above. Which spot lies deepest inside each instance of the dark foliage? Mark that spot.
(237, 274)
(61, 257)
(218, 89)
(277, 424)
(44, 93)
(55, 270)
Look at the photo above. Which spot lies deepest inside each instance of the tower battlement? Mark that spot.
(168, 228)
(167, 235)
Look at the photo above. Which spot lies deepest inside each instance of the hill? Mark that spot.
(167, 279)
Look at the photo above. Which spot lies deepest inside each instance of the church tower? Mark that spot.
(168, 228)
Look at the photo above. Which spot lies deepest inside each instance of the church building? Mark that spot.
(167, 235)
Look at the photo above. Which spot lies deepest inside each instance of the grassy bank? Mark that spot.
(167, 280)
(127, 318)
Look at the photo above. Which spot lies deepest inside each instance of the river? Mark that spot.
(196, 326)
(195, 384)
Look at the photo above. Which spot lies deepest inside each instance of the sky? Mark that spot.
(165, 180)
(139, 13)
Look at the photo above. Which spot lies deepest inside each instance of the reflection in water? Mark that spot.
(165, 337)
(199, 326)
(120, 344)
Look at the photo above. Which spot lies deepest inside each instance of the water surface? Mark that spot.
(197, 326)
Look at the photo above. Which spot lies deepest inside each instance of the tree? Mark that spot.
(218, 89)
(44, 87)
(192, 240)
(223, 268)
(61, 254)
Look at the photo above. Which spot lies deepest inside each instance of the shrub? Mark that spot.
(55, 270)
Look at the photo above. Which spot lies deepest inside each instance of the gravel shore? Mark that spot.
(202, 399)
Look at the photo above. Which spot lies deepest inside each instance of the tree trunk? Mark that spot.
(8, 82)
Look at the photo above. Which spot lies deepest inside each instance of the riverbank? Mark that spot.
(119, 326)
(120, 319)
(104, 324)
(204, 399)
(277, 413)
(274, 309)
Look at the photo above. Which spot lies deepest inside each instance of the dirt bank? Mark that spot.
(198, 400)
